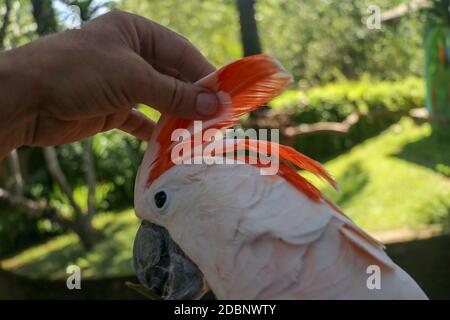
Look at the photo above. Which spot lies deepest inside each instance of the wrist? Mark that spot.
(18, 105)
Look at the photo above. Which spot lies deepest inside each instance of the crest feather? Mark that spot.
(244, 86)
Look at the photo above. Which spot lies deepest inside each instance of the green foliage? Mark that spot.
(317, 41)
(335, 101)
(117, 159)
(21, 29)
(118, 156)
(438, 13)
(17, 231)
(212, 26)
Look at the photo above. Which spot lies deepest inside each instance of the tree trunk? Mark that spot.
(58, 176)
(249, 28)
(5, 24)
(17, 174)
(82, 224)
(88, 235)
(90, 176)
(44, 15)
(249, 36)
(31, 208)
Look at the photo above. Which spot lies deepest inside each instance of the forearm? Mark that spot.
(17, 100)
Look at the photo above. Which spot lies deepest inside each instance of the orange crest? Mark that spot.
(245, 85)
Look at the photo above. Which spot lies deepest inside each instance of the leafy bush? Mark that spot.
(334, 102)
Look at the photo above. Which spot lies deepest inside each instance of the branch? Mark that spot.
(57, 174)
(282, 120)
(17, 174)
(403, 9)
(32, 208)
(343, 127)
(6, 21)
(44, 15)
(90, 176)
(422, 114)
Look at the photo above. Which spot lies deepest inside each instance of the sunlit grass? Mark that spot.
(393, 180)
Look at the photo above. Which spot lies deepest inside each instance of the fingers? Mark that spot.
(176, 97)
(158, 66)
(169, 52)
(138, 125)
(131, 121)
(49, 131)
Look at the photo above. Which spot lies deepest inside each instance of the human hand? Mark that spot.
(71, 85)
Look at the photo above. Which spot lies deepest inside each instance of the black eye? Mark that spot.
(160, 199)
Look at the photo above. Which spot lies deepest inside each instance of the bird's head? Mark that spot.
(180, 191)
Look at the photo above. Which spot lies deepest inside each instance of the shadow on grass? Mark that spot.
(53, 263)
(13, 286)
(432, 152)
(110, 257)
(351, 183)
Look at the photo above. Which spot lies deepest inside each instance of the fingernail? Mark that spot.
(207, 104)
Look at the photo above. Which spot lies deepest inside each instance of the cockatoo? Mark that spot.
(257, 236)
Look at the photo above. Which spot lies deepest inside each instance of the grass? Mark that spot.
(111, 257)
(395, 180)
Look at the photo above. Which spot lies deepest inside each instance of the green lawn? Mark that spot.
(395, 180)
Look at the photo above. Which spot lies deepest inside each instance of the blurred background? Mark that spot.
(370, 100)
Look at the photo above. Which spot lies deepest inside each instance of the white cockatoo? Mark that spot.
(254, 235)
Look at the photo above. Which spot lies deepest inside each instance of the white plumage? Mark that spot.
(257, 237)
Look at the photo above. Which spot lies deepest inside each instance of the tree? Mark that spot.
(249, 29)
(249, 35)
(6, 20)
(44, 15)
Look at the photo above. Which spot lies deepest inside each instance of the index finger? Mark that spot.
(168, 52)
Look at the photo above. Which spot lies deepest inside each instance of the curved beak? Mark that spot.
(163, 268)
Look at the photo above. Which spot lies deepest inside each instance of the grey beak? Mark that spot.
(162, 267)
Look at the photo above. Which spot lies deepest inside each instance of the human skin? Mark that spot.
(72, 85)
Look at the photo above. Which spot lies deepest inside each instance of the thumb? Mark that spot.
(182, 99)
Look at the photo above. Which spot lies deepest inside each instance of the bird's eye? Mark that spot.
(160, 199)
